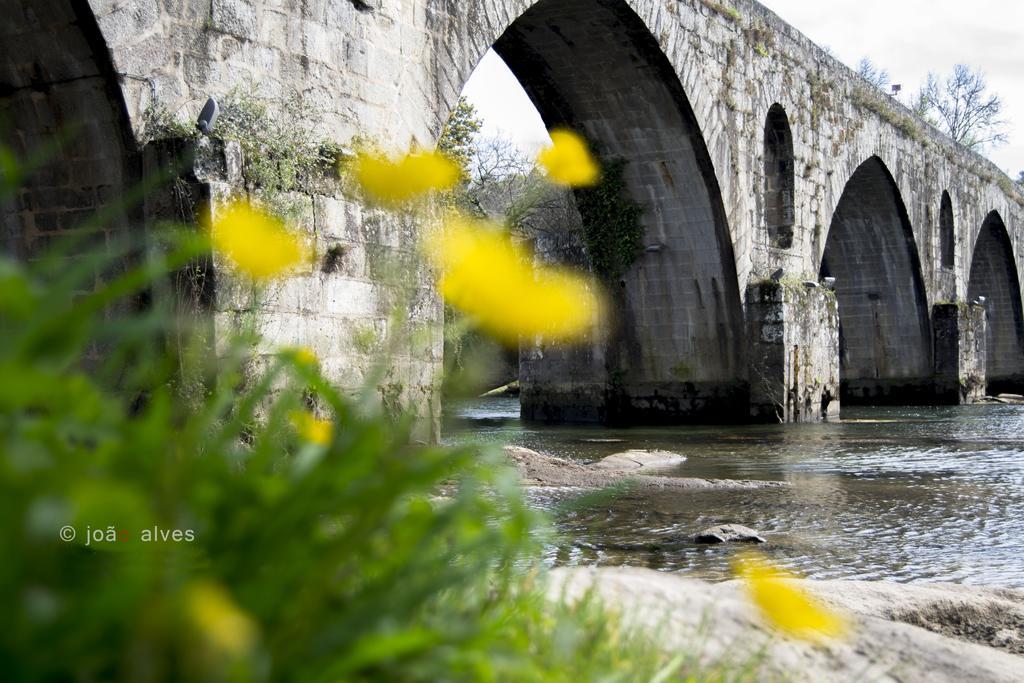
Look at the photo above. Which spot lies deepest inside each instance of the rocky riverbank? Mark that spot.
(900, 632)
(639, 468)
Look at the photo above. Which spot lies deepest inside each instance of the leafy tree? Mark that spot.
(961, 106)
(459, 134)
(873, 74)
(1020, 179)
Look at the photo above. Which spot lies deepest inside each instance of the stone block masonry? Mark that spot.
(959, 352)
(365, 305)
(748, 147)
(793, 330)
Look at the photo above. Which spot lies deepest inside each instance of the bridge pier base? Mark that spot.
(794, 352)
(959, 352)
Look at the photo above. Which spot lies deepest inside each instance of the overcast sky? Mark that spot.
(908, 38)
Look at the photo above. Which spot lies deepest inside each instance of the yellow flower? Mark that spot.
(256, 244)
(484, 274)
(311, 428)
(303, 355)
(221, 622)
(788, 606)
(393, 182)
(568, 161)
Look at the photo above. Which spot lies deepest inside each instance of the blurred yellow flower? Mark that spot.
(223, 625)
(256, 244)
(788, 606)
(304, 355)
(395, 181)
(492, 280)
(568, 161)
(311, 428)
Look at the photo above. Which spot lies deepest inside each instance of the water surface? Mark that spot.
(902, 494)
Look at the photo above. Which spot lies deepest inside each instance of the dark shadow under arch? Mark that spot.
(994, 276)
(779, 183)
(678, 349)
(59, 90)
(885, 330)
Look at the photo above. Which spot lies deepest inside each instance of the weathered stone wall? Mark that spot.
(364, 303)
(959, 352)
(681, 89)
(794, 352)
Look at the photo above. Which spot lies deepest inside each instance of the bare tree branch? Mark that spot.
(963, 109)
(874, 75)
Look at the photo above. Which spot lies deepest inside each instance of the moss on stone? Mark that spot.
(611, 223)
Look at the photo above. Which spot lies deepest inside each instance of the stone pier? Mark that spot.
(793, 330)
(959, 352)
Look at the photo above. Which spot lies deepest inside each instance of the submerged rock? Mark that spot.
(729, 533)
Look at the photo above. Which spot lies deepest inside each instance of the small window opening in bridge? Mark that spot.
(778, 177)
(947, 240)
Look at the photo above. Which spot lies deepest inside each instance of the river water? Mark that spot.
(901, 494)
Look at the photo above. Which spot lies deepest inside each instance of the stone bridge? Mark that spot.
(762, 164)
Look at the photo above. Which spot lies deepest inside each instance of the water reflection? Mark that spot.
(904, 494)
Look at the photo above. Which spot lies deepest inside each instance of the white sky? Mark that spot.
(908, 38)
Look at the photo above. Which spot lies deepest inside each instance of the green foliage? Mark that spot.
(341, 557)
(611, 223)
(366, 558)
(761, 36)
(459, 133)
(730, 13)
(159, 123)
(1006, 185)
(282, 151)
(871, 100)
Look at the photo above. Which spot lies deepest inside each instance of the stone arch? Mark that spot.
(677, 352)
(60, 96)
(947, 234)
(779, 183)
(885, 330)
(994, 276)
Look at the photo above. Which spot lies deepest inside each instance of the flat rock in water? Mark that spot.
(640, 460)
(728, 533)
(539, 469)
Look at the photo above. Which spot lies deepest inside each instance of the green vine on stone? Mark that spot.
(611, 223)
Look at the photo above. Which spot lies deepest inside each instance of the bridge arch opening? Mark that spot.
(885, 331)
(994, 276)
(947, 234)
(675, 351)
(779, 182)
(59, 96)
